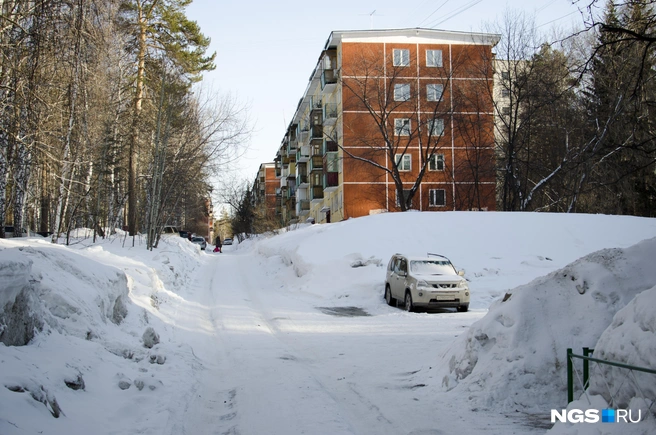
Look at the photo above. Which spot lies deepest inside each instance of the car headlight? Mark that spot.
(463, 284)
(422, 283)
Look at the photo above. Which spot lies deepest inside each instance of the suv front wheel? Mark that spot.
(409, 307)
(388, 296)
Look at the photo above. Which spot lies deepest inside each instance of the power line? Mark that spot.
(557, 19)
(456, 12)
(546, 5)
(433, 13)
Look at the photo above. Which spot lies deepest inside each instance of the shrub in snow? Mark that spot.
(159, 359)
(76, 383)
(123, 381)
(148, 383)
(150, 337)
(516, 354)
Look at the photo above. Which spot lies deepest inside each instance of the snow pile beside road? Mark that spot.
(42, 284)
(630, 339)
(515, 356)
(85, 336)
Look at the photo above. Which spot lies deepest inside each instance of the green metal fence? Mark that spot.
(584, 381)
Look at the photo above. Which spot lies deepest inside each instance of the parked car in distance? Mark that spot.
(9, 232)
(168, 230)
(184, 234)
(199, 241)
(425, 282)
(227, 241)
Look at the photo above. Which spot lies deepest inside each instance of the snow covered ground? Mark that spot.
(290, 334)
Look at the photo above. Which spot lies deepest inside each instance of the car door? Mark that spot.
(398, 279)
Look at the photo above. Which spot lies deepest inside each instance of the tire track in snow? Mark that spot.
(360, 412)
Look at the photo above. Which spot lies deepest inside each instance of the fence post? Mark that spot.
(586, 368)
(570, 377)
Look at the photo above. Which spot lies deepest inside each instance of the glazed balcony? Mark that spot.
(331, 162)
(316, 193)
(316, 164)
(303, 205)
(303, 154)
(328, 80)
(316, 134)
(330, 181)
(302, 181)
(329, 114)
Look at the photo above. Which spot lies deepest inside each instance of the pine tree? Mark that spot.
(159, 29)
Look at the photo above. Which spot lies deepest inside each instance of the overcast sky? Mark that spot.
(266, 50)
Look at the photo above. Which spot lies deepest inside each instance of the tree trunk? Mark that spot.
(134, 136)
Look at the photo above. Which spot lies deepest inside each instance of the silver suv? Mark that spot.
(425, 282)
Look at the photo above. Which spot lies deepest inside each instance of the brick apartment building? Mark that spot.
(265, 186)
(391, 116)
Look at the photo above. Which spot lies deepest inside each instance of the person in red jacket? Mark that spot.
(217, 247)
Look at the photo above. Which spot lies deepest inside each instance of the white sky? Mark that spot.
(266, 50)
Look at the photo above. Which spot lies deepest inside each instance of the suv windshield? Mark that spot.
(432, 267)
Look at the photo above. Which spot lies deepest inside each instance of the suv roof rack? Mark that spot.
(436, 255)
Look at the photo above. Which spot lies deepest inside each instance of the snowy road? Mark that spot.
(277, 364)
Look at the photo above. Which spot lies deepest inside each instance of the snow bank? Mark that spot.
(515, 356)
(99, 351)
(630, 339)
(18, 322)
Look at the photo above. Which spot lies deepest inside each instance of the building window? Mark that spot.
(403, 162)
(401, 91)
(435, 127)
(433, 57)
(505, 75)
(505, 93)
(436, 197)
(505, 110)
(406, 193)
(434, 92)
(401, 57)
(436, 162)
(402, 127)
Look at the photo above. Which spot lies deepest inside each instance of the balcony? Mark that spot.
(302, 207)
(316, 164)
(304, 137)
(316, 193)
(292, 146)
(303, 154)
(328, 80)
(331, 162)
(330, 182)
(330, 114)
(316, 133)
(302, 181)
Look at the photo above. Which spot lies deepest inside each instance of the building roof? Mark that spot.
(412, 35)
